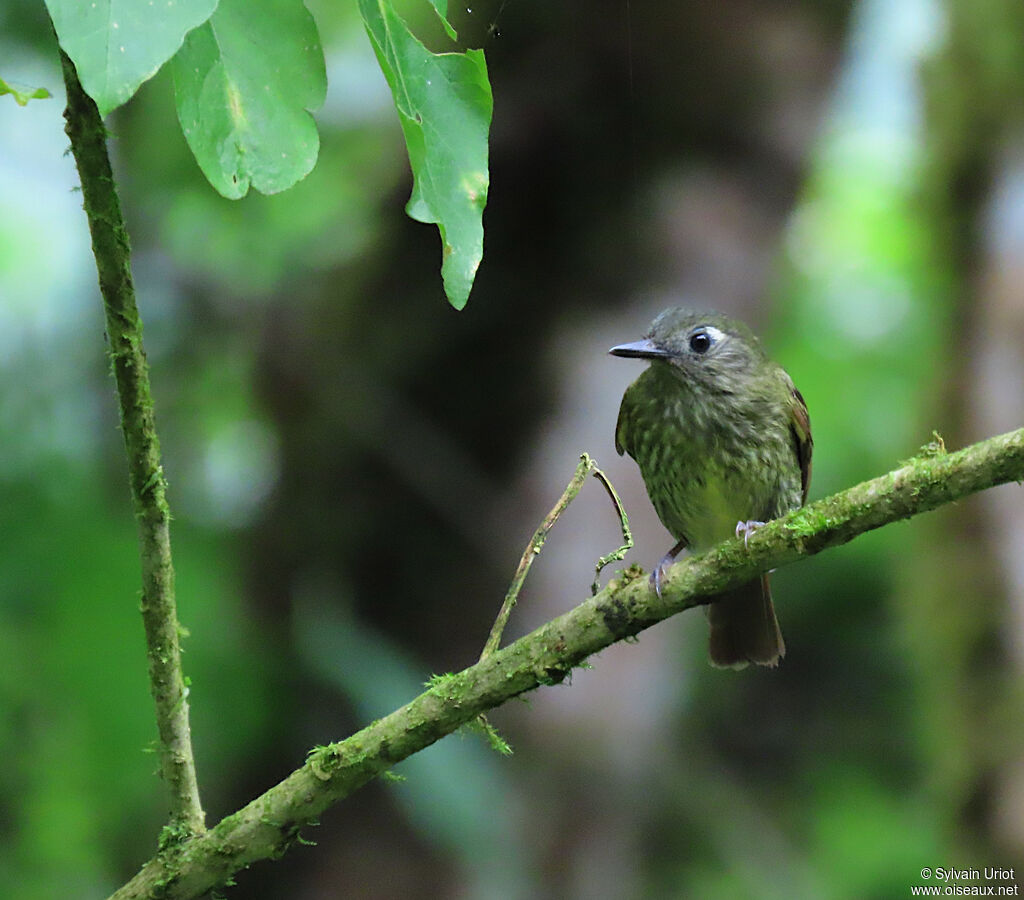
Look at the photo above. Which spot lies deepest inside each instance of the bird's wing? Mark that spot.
(622, 426)
(800, 425)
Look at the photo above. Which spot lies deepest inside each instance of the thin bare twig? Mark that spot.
(585, 467)
(531, 552)
(627, 535)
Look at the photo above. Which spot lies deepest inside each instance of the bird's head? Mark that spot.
(705, 347)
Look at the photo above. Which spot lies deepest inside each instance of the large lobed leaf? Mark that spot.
(118, 44)
(243, 83)
(247, 76)
(444, 104)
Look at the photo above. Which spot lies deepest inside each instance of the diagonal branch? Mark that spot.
(625, 607)
(145, 473)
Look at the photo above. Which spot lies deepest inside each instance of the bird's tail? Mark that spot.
(744, 628)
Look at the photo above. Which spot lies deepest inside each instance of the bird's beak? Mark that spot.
(645, 349)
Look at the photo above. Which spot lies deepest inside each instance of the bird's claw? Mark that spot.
(658, 575)
(661, 570)
(747, 529)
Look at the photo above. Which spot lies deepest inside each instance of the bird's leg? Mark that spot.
(662, 567)
(747, 529)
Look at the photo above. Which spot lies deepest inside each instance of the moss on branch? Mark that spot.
(626, 606)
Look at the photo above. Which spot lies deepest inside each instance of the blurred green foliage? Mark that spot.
(340, 448)
(22, 93)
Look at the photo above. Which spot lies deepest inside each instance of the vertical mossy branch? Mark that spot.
(148, 487)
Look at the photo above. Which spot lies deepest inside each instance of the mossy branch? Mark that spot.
(145, 473)
(626, 606)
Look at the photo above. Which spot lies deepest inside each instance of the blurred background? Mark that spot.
(355, 468)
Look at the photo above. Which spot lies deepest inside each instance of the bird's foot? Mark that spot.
(747, 529)
(661, 569)
(659, 573)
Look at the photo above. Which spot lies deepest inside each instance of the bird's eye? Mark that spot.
(700, 342)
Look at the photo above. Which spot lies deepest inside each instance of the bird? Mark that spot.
(722, 438)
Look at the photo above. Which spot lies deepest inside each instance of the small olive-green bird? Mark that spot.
(723, 441)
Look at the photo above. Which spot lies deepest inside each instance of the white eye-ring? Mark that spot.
(704, 338)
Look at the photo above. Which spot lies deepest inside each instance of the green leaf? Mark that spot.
(22, 93)
(118, 44)
(243, 83)
(441, 8)
(444, 104)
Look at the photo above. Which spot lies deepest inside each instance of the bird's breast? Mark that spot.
(707, 468)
